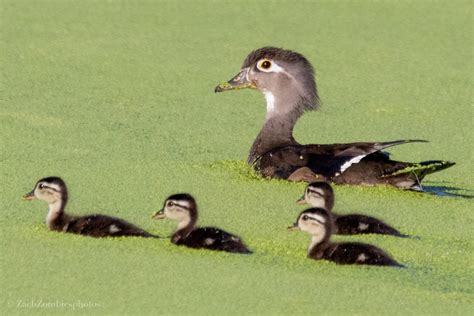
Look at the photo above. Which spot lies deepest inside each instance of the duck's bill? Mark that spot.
(301, 201)
(293, 227)
(240, 81)
(159, 215)
(29, 196)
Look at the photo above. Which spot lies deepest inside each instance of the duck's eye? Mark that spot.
(264, 65)
(41, 186)
(170, 204)
(305, 217)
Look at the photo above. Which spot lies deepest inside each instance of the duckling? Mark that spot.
(53, 190)
(318, 223)
(183, 209)
(286, 79)
(321, 194)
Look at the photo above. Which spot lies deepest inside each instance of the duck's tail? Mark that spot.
(417, 171)
(149, 235)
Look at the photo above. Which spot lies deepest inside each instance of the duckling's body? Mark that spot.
(183, 208)
(321, 194)
(354, 224)
(210, 238)
(352, 253)
(54, 191)
(287, 81)
(97, 226)
(318, 223)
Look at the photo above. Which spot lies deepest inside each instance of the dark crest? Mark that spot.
(278, 54)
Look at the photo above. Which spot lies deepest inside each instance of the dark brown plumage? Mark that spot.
(54, 191)
(318, 222)
(289, 86)
(321, 194)
(183, 208)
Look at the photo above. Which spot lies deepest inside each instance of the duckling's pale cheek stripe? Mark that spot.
(318, 218)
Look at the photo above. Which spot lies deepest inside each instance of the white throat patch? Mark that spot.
(270, 101)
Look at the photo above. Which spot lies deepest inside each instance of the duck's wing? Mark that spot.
(327, 161)
(360, 253)
(97, 225)
(352, 224)
(216, 239)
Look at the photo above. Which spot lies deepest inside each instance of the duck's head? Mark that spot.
(318, 194)
(286, 78)
(315, 221)
(179, 207)
(51, 190)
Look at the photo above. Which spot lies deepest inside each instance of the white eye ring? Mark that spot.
(265, 65)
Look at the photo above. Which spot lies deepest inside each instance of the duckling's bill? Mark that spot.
(159, 215)
(29, 196)
(301, 201)
(240, 81)
(293, 227)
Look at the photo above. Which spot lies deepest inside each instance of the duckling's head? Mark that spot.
(180, 207)
(50, 189)
(318, 194)
(286, 78)
(315, 221)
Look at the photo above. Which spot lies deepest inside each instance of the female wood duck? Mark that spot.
(320, 194)
(287, 80)
(183, 209)
(318, 223)
(53, 190)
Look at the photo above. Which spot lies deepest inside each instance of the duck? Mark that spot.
(182, 207)
(318, 223)
(287, 80)
(320, 194)
(53, 190)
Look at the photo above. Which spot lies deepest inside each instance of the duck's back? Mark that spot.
(358, 253)
(352, 224)
(104, 226)
(214, 239)
(355, 163)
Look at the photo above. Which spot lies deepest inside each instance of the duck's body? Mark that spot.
(318, 223)
(354, 224)
(352, 253)
(96, 226)
(287, 80)
(183, 208)
(210, 238)
(356, 163)
(54, 191)
(321, 194)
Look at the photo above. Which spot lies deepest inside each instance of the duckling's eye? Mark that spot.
(305, 217)
(170, 204)
(41, 186)
(264, 65)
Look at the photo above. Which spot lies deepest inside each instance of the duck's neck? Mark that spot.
(184, 228)
(317, 246)
(278, 128)
(55, 214)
